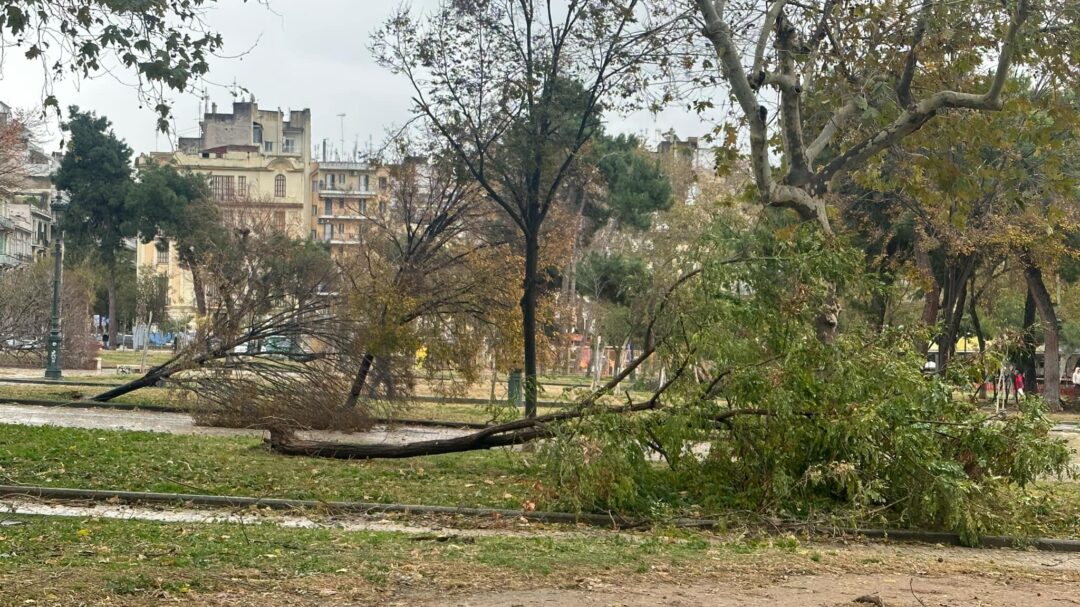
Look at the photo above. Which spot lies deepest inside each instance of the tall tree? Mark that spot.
(515, 87)
(854, 79)
(175, 206)
(96, 173)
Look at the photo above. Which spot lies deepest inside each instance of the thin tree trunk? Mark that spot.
(199, 288)
(528, 314)
(1027, 354)
(113, 329)
(359, 380)
(932, 297)
(598, 360)
(973, 312)
(1045, 306)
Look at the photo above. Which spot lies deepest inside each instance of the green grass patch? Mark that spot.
(145, 397)
(138, 559)
(143, 461)
(112, 358)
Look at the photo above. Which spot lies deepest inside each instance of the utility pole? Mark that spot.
(56, 338)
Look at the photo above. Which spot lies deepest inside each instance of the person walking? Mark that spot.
(1018, 384)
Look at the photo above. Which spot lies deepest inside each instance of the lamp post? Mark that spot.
(56, 337)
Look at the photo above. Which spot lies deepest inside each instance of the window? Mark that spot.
(366, 178)
(382, 183)
(279, 186)
(341, 205)
(363, 207)
(341, 229)
(241, 186)
(382, 207)
(222, 187)
(328, 231)
(288, 146)
(328, 207)
(162, 256)
(256, 133)
(268, 147)
(279, 219)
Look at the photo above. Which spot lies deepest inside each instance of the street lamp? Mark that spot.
(56, 338)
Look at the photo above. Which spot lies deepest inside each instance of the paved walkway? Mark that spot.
(181, 423)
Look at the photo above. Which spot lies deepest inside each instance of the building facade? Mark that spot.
(259, 166)
(26, 220)
(343, 196)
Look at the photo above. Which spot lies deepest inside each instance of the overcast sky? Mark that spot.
(303, 54)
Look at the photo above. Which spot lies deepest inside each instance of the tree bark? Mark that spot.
(113, 329)
(359, 380)
(1045, 307)
(500, 435)
(528, 314)
(199, 288)
(1027, 353)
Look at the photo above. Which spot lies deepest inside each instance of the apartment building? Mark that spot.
(259, 166)
(15, 235)
(26, 221)
(343, 196)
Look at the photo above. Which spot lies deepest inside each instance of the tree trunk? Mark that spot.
(500, 435)
(152, 377)
(113, 329)
(1027, 354)
(199, 288)
(1045, 306)
(359, 380)
(598, 359)
(528, 314)
(980, 392)
(932, 298)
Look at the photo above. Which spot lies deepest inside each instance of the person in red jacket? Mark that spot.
(1018, 383)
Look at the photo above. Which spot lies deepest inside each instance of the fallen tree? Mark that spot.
(510, 433)
(507, 434)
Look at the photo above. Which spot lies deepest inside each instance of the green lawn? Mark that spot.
(143, 461)
(112, 358)
(133, 562)
(145, 397)
(158, 397)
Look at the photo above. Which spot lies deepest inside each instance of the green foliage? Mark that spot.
(636, 185)
(776, 421)
(165, 42)
(615, 278)
(96, 174)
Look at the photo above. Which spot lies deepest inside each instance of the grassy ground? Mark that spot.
(141, 461)
(112, 358)
(157, 397)
(97, 561)
(146, 397)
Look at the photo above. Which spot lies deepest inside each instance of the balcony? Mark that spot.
(323, 218)
(337, 190)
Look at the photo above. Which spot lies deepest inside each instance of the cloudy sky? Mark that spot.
(303, 54)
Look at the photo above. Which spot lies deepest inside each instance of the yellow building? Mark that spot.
(343, 196)
(260, 170)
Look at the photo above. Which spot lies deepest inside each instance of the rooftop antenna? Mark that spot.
(341, 117)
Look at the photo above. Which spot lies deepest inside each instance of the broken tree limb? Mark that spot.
(501, 435)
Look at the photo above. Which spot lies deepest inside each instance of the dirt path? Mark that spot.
(181, 423)
(805, 591)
